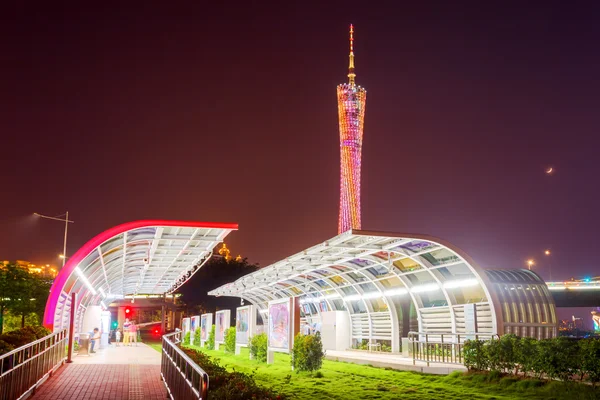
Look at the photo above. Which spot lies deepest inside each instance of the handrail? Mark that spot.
(183, 378)
(442, 347)
(23, 369)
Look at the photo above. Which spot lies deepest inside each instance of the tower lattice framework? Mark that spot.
(351, 112)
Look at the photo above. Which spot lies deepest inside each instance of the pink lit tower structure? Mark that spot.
(351, 111)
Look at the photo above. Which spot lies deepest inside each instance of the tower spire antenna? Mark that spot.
(351, 74)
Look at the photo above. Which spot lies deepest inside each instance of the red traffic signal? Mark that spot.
(128, 311)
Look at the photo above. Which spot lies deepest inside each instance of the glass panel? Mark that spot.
(406, 265)
(441, 256)
(354, 277)
(417, 246)
(368, 287)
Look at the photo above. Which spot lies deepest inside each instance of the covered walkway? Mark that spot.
(111, 373)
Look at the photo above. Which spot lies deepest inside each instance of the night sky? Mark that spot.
(229, 113)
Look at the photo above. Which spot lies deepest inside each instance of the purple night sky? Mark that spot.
(228, 113)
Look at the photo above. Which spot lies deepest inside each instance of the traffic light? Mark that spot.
(115, 324)
(128, 312)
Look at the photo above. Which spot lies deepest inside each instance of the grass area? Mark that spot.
(339, 380)
(155, 344)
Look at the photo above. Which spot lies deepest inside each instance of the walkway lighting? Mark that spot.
(460, 283)
(85, 280)
(428, 287)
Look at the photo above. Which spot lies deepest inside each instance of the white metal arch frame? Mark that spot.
(353, 267)
(151, 257)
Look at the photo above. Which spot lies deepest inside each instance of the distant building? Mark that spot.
(46, 270)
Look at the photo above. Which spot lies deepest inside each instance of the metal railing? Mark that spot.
(183, 378)
(444, 348)
(23, 369)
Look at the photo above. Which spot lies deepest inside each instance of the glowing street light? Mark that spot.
(66, 221)
(530, 263)
(547, 252)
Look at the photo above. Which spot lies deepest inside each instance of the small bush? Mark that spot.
(197, 337)
(230, 340)
(210, 342)
(5, 347)
(475, 355)
(307, 353)
(590, 359)
(20, 337)
(231, 385)
(186, 339)
(258, 347)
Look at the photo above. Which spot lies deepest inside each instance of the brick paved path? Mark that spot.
(103, 382)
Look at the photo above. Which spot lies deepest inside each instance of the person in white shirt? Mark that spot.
(117, 337)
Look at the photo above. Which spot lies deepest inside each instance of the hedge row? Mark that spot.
(20, 337)
(230, 385)
(558, 358)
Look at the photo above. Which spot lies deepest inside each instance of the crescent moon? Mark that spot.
(549, 170)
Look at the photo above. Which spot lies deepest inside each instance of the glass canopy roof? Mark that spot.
(137, 258)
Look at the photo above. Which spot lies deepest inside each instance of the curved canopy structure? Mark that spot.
(389, 284)
(141, 257)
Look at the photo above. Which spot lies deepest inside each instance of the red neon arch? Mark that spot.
(83, 252)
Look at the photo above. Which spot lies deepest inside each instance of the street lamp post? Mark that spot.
(529, 264)
(547, 253)
(66, 221)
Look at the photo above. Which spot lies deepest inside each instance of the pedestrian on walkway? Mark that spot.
(117, 337)
(126, 328)
(133, 332)
(95, 338)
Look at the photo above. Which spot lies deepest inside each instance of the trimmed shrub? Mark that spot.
(590, 359)
(475, 355)
(231, 385)
(559, 358)
(526, 354)
(501, 353)
(5, 347)
(186, 339)
(20, 337)
(307, 353)
(258, 347)
(210, 342)
(197, 337)
(230, 340)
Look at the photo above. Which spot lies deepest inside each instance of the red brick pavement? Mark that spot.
(103, 382)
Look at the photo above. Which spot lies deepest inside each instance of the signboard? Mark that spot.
(242, 324)
(205, 326)
(195, 324)
(279, 325)
(185, 325)
(222, 323)
(470, 320)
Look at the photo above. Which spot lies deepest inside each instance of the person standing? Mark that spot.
(133, 333)
(95, 338)
(117, 337)
(126, 328)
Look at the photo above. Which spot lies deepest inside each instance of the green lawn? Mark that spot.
(155, 344)
(351, 381)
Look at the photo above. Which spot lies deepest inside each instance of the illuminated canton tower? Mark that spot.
(351, 110)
